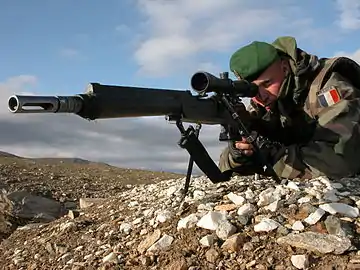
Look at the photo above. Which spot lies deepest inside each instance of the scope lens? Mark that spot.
(199, 82)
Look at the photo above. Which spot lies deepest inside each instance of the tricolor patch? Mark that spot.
(329, 97)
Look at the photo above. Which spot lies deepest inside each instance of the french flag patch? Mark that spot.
(329, 97)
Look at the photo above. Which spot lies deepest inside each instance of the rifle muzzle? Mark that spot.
(45, 104)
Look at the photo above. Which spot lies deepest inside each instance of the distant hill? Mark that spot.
(53, 159)
(6, 154)
(71, 177)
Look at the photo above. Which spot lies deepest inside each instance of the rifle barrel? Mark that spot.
(44, 104)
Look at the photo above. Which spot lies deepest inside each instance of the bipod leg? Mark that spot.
(184, 134)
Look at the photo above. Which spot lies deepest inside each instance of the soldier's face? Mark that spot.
(269, 83)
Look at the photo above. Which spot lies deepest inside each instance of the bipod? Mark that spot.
(182, 142)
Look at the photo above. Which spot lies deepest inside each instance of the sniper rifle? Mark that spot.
(215, 103)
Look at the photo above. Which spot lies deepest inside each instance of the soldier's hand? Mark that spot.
(245, 147)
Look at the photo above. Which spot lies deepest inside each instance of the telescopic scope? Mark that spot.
(204, 82)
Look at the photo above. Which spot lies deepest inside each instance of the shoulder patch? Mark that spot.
(329, 96)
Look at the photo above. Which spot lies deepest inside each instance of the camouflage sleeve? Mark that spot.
(334, 148)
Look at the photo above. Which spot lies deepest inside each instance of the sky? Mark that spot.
(58, 47)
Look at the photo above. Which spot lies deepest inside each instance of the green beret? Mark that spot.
(251, 60)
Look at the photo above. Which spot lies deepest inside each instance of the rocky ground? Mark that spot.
(91, 216)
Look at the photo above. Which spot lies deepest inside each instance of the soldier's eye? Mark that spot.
(266, 83)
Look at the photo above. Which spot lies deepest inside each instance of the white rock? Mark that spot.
(292, 185)
(340, 208)
(300, 261)
(304, 200)
(325, 180)
(112, 257)
(198, 194)
(207, 240)
(171, 191)
(143, 231)
(211, 220)
(316, 183)
(206, 207)
(225, 229)
(266, 225)
(273, 206)
(357, 203)
(280, 191)
(138, 220)
(236, 199)
(148, 212)
(330, 195)
(152, 222)
(162, 244)
(267, 196)
(298, 226)
(249, 194)
(345, 193)
(133, 203)
(315, 216)
(125, 228)
(246, 209)
(164, 216)
(336, 185)
(187, 222)
(313, 192)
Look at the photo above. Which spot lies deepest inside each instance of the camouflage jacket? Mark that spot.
(320, 137)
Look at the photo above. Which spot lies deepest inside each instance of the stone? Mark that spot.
(207, 240)
(187, 222)
(336, 226)
(246, 209)
(89, 202)
(298, 226)
(234, 243)
(317, 242)
(225, 207)
(125, 227)
(73, 214)
(292, 185)
(236, 199)
(211, 220)
(267, 196)
(162, 244)
(315, 216)
(340, 208)
(211, 255)
(273, 206)
(149, 241)
(164, 216)
(225, 229)
(266, 225)
(35, 208)
(300, 261)
(112, 257)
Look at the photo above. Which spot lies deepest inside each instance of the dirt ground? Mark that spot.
(69, 181)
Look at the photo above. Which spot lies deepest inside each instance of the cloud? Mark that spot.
(21, 84)
(70, 53)
(349, 17)
(122, 29)
(147, 142)
(178, 33)
(354, 55)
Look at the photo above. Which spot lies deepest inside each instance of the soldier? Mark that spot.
(309, 108)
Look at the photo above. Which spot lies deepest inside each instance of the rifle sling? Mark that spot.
(200, 156)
